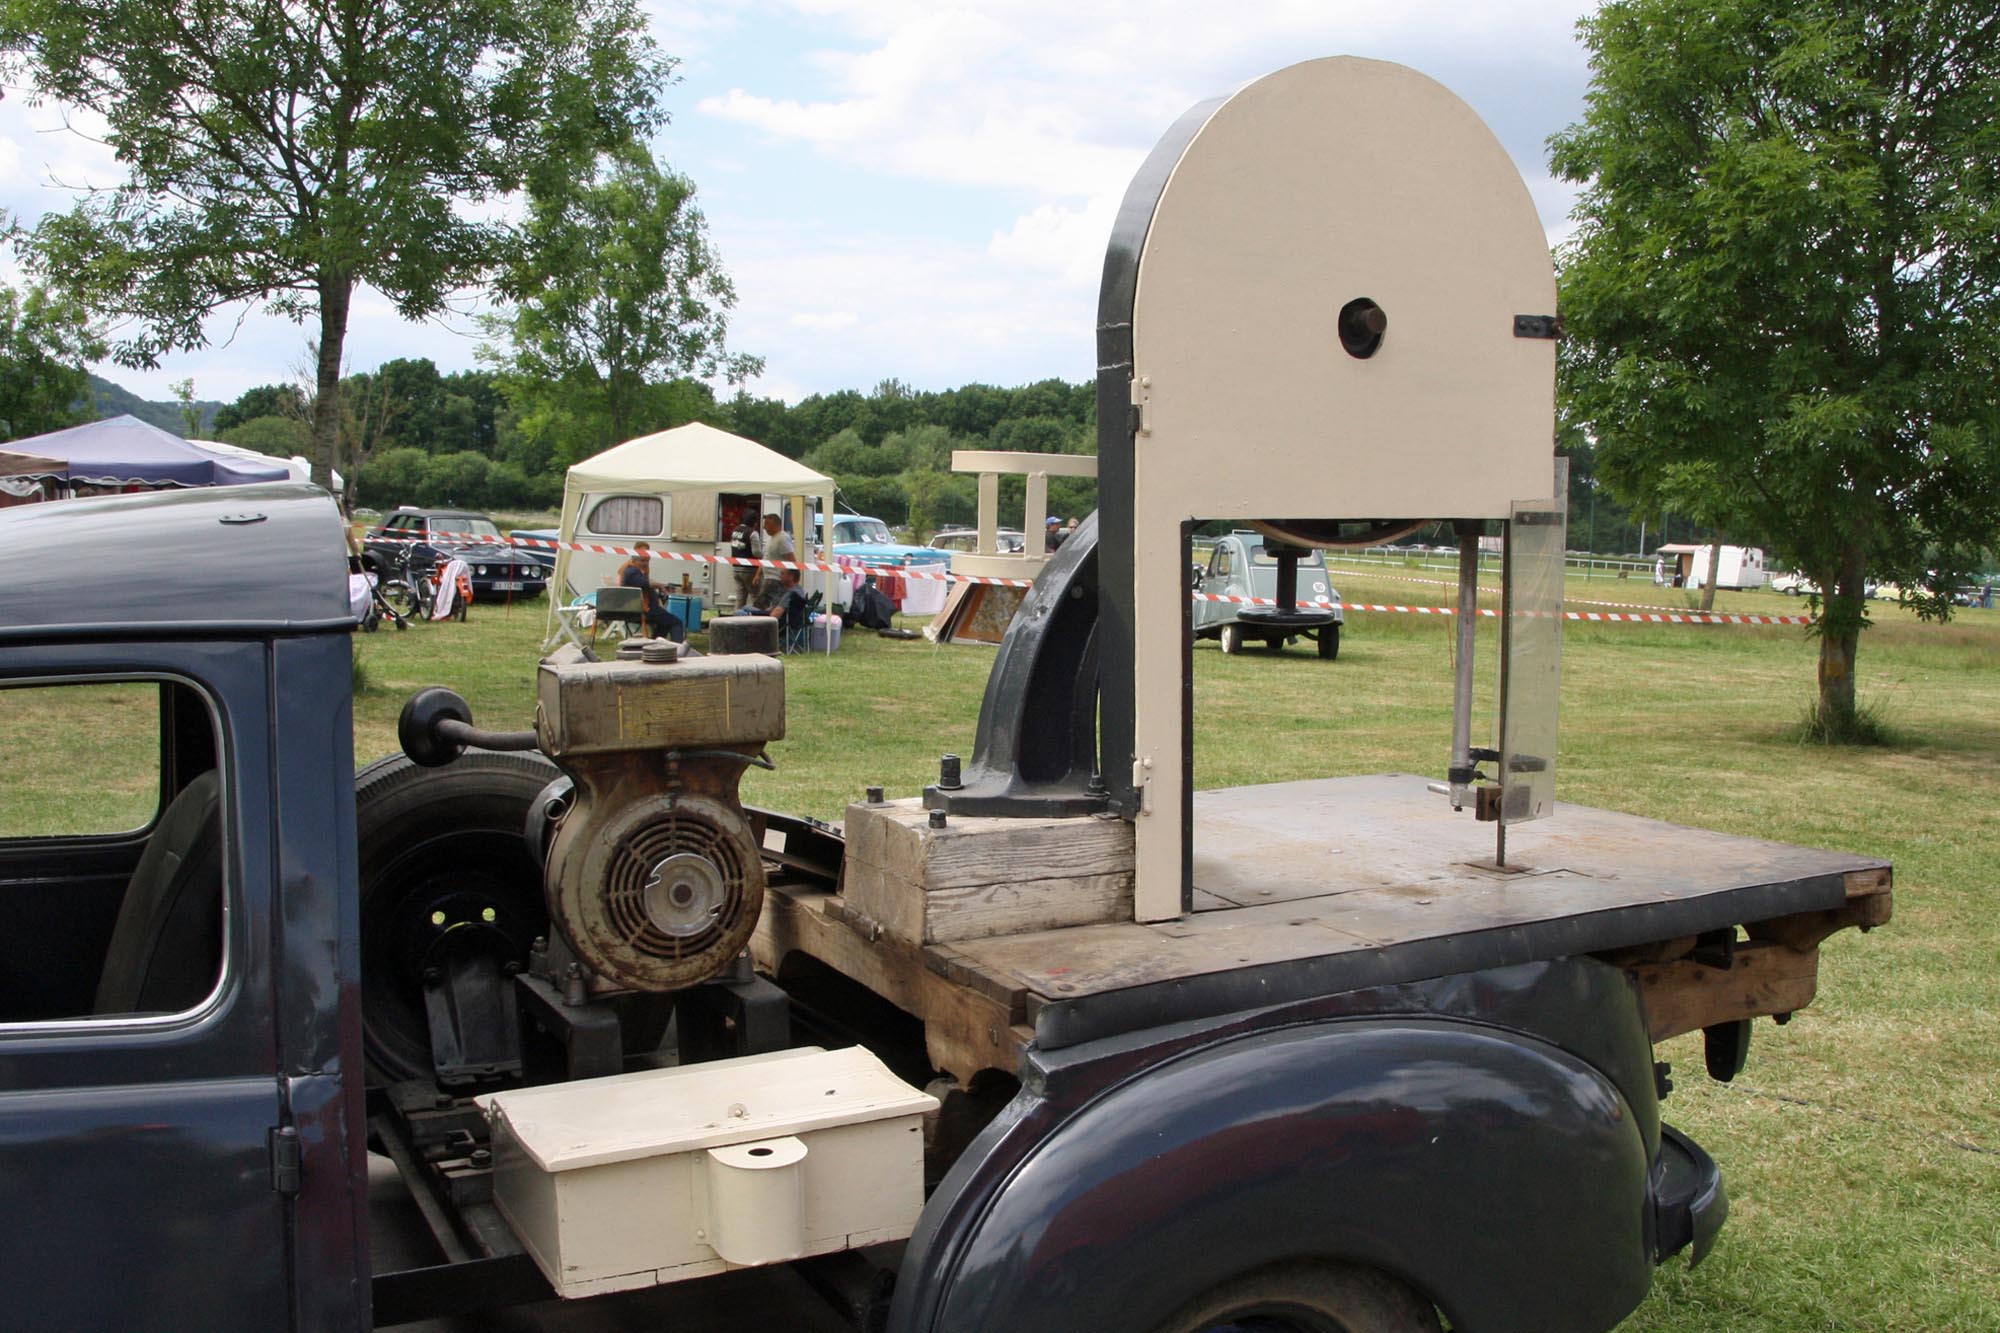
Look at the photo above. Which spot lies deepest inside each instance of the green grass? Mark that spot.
(79, 759)
(1862, 1145)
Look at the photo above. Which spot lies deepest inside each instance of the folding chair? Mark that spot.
(625, 605)
(795, 628)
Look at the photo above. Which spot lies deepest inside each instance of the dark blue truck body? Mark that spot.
(1489, 1136)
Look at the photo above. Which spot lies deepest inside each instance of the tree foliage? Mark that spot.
(1780, 300)
(283, 151)
(45, 345)
(616, 292)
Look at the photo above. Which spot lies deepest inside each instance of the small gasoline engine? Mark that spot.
(652, 873)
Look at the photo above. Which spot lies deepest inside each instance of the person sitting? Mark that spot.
(637, 572)
(793, 610)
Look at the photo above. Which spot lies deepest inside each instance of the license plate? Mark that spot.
(508, 587)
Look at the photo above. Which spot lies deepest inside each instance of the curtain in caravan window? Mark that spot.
(628, 516)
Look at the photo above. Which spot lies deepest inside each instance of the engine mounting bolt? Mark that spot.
(948, 773)
(937, 819)
(874, 796)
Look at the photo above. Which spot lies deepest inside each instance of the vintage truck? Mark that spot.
(1058, 1044)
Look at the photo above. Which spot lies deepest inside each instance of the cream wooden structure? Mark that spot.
(989, 465)
(1331, 181)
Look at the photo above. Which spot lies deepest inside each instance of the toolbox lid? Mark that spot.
(594, 1122)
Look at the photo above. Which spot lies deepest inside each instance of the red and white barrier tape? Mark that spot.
(1360, 573)
(1659, 616)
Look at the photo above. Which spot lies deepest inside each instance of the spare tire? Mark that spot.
(439, 848)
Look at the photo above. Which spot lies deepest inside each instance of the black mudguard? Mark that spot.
(1503, 1178)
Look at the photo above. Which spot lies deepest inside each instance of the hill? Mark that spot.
(112, 400)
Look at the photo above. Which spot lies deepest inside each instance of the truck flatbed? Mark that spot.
(1338, 884)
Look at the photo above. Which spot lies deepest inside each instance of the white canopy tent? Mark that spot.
(689, 461)
(300, 466)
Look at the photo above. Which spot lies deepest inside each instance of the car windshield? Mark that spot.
(1311, 560)
(467, 525)
(865, 531)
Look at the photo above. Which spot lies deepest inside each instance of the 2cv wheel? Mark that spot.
(1329, 642)
(1307, 1298)
(1232, 639)
(439, 850)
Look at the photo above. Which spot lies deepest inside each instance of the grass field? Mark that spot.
(1862, 1145)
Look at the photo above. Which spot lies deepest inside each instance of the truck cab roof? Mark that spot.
(121, 565)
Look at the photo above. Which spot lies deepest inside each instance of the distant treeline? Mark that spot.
(414, 436)
(426, 438)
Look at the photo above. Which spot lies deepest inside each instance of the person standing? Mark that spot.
(743, 546)
(777, 545)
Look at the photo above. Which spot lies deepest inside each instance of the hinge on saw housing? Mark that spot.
(1141, 398)
(1538, 326)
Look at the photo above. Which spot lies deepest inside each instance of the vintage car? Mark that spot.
(1010, 541)
(869, 539)
(433, 535)
(1241, 565)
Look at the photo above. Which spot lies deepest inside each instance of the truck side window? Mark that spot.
(79, 760)
(111, 851)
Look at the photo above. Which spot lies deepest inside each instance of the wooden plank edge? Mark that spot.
(966, 1028)
(1763, 978)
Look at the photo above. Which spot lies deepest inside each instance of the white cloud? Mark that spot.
(1034, 114)
(829, 321)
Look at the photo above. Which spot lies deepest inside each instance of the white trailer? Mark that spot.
(1686, 566)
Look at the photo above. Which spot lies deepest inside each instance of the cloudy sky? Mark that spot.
(916, 189)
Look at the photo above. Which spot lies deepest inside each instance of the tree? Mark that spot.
(278, 436)
(266, 400)
(45, 344)
(616, 290)
(1785, 271)
(283, 151)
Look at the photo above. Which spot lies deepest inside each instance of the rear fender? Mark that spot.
(1502, 1178)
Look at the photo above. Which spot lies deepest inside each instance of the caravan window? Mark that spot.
(628, 516)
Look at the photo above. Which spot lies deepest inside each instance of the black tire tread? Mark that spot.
(1352, 1298)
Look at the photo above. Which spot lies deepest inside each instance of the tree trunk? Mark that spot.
(1836, 676)
(1843, 606)
(336, 291)
(1714, 568)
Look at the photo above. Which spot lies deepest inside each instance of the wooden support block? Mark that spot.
(979, 877)
(972, 1020)
(1763, 978)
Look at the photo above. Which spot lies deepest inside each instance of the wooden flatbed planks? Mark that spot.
(1382, 873)
(1359, 882)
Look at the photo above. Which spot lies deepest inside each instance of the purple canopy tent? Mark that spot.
(125, 451)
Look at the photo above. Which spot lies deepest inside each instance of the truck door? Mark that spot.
(139, 1095)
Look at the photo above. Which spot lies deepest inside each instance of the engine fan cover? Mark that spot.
(665, 893)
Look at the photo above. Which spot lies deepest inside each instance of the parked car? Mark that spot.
(498, 570)
(1241, 565)
(1793, 584)
(545, 556)
(1009, 541)
(869, 539)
